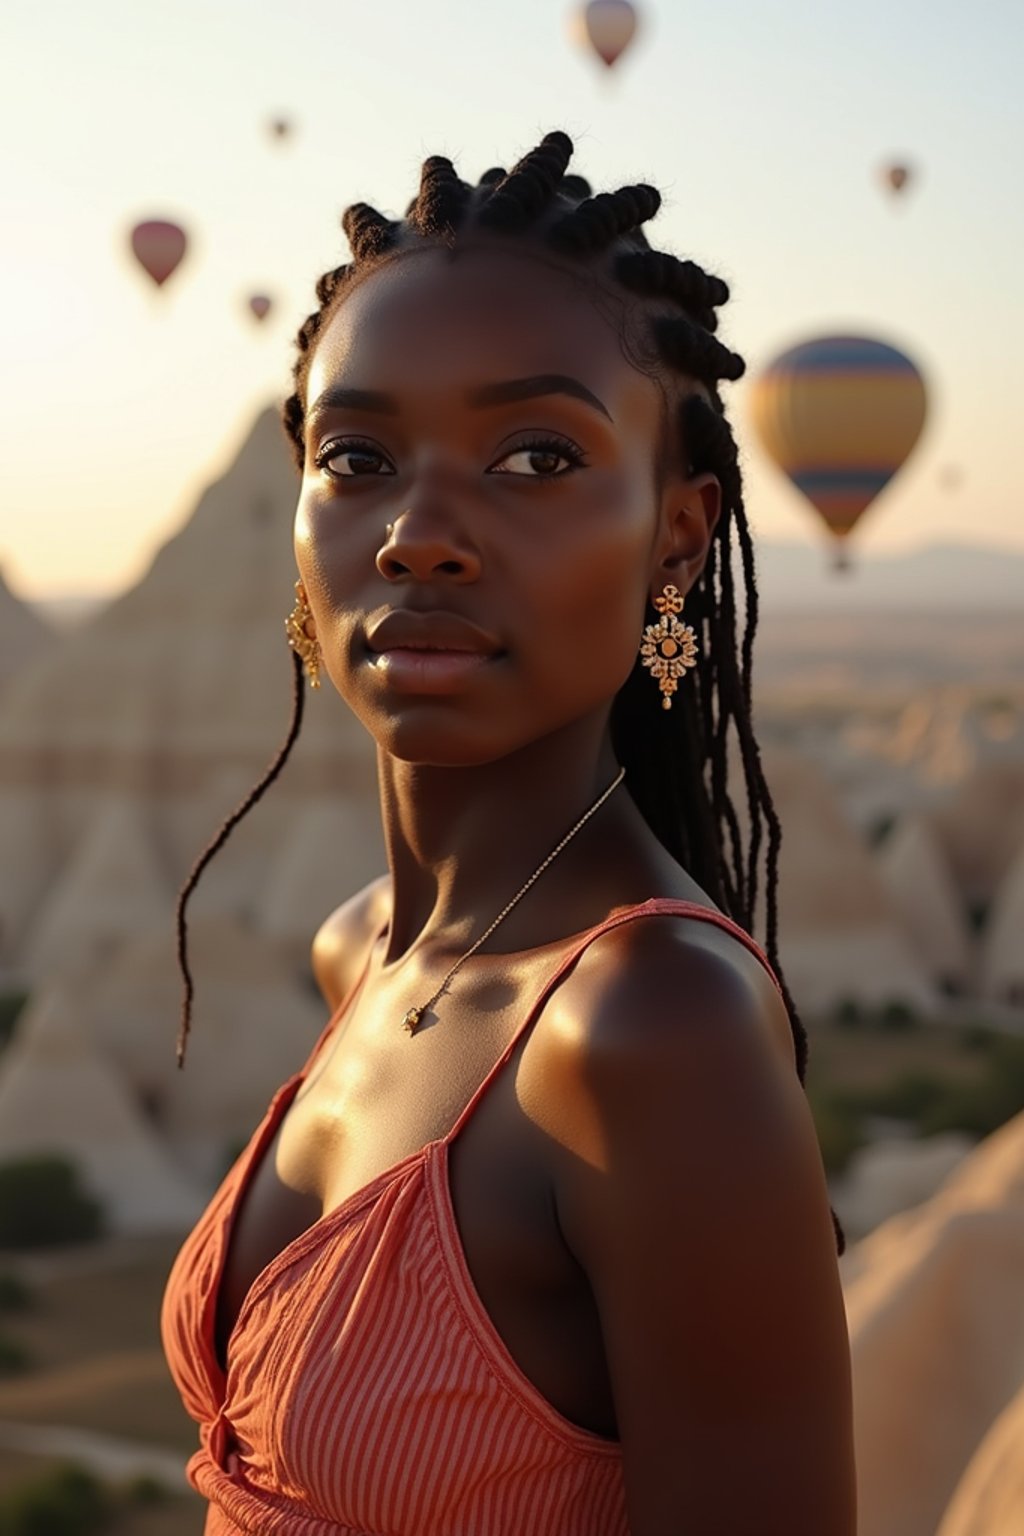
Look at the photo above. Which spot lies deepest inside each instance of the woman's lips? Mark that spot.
(427, 671)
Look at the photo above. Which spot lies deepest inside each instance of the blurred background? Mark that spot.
(174, 182)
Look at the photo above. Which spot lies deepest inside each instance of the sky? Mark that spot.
(763, 124)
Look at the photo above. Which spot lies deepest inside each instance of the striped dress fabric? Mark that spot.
(367, 1391)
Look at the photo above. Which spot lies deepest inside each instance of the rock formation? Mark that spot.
(933, 1301)
(931, 911)
(59, 1093)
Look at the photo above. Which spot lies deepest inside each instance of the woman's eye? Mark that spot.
(363, 459)
(540, 458)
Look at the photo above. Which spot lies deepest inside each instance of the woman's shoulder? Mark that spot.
(343, 940)
(676, 979)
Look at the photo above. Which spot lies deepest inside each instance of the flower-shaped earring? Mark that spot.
(301, 633)
(668, 648)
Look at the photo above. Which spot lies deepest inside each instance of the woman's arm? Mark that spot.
(695, 1198)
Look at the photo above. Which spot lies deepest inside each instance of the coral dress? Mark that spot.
(367, 1391)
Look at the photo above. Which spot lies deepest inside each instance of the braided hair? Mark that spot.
(676, 761)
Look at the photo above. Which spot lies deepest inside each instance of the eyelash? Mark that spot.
(564, 447)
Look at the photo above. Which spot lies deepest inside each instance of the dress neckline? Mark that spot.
(240, 1179)
(297, 1246)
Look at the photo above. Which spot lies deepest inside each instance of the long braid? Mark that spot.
(677, 761)
(218, 841)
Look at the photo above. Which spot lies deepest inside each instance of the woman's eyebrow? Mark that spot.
(529, 389)
(505, 392)
(340, 398)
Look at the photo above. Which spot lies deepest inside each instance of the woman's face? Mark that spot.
(478, 527)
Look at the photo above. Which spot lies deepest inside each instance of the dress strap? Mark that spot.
(655, 906)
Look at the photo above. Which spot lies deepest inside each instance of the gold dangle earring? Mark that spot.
(668, 648)
(301, 632)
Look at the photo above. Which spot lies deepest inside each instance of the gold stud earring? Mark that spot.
(668, 648)
(301, 632)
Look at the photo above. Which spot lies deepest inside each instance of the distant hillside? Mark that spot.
(68, 612)
(938, 578)
(25, 633)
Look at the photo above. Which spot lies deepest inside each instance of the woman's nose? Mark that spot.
(426, 545)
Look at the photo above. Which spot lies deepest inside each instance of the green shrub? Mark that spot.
(11, 1005)
(848, 1013)
(898, 1016)
(42, 1204)
(909, 1095)
(65, 1502)
(15, 1293)
(840, 1127)
(976, 1037)
(14, 1357)
(981, 1108)
(145, 1490)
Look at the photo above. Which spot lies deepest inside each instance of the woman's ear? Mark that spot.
(690, 511)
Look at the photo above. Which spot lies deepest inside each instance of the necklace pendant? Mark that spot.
(411, 1019)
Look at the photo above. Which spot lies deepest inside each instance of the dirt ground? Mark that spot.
(175, 1516)
(93, 1334)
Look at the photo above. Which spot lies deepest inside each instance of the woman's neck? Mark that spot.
(462, 840)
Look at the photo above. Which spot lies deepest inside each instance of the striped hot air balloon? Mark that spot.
(839, 415)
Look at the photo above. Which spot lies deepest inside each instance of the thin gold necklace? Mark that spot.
(415, 1015)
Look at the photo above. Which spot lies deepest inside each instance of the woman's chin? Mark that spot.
(424, 744)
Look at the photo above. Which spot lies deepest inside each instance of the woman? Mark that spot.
(538, 1240)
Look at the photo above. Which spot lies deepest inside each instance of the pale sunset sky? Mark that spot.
(764, 125)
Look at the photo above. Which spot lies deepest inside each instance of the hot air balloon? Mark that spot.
(159, 247)
(607, 26)
(896, 177)
(260, 305)
(280, 127)
(839, 415)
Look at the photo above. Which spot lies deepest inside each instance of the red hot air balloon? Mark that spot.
(607, 26)
(159, 247)
(896, 177)
(260, 305)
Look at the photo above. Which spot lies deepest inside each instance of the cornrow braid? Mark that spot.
(676, 761)
(526, 191)
(369, 232)
(574, 187)
(327, 286)
(691, 349)
(490, 179)
(597, 222)
(441, 202)
(657, 275)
